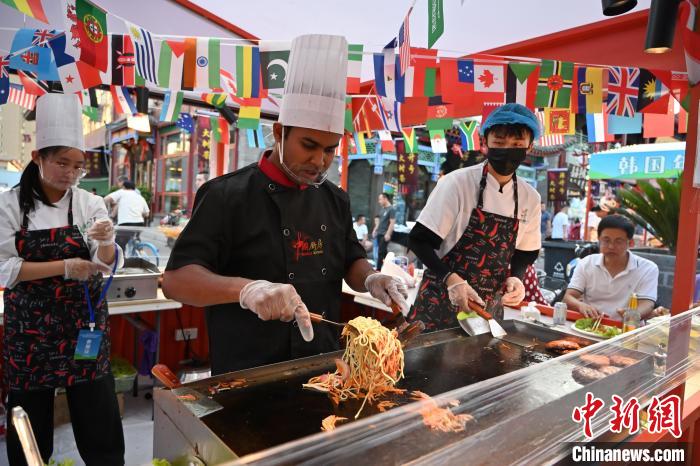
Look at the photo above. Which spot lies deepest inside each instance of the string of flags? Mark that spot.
(412, 86)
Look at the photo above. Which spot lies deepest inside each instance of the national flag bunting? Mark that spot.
(387, 76)
(171, 63)
(489, 77)
(405, 43)
(75, 75)
(387, 142)
(248, 78)
(354, 68)
(457, 79)
(92, 24)
(554, 88)
(360, 143)
(653, 94)
(588, 90)
(32, 84)
(145, 53)
(658, 125)
(4, 80)
(410, 140)
(215, 100)
(28, 54)
(597, 126)
(172, 103)
(19, 96)
(123, 103)
(390, 112)
(204, 54)
(521, 84)
(249, 113)
(623, 91)
(625, 125)
(185, 122)
(559, 121)
(470, 135)
(438, 143)
(348, 115)
(121, 70)
(71, 28)
(255, 138)
(547, 140)
(274, 60)
(31, 8)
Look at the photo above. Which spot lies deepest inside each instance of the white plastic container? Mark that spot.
(531, 312)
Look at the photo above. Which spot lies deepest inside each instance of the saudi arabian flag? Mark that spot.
(171, 106)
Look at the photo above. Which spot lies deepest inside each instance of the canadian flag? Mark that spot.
(489, 77)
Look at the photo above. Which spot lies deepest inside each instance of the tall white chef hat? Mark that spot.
(314, 88)
(59, 121)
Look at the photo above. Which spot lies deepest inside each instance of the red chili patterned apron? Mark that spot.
(43, 317)
(481, 256)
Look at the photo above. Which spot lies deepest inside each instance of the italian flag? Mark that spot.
(171, 106)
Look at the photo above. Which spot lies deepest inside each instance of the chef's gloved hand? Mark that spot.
(102, 231)
(388, 289)
(80, 269)
(277, 301)
(460, 293)
(515, 292)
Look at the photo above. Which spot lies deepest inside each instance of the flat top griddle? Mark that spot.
(274, 408)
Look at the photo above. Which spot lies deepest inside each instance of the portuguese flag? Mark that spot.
(92, 26)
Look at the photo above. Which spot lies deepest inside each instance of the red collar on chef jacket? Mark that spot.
(276, 174)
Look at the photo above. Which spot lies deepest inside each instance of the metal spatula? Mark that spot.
(495, 328)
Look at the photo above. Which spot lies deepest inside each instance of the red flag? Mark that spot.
(422, 60)
(365, 114)
(682, 121)
(92, 25)
(32, 84)
(659, 124)
(455, 89)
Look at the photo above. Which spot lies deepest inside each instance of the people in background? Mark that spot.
(385, 228)
(362, 232)
(545, 221)
(132, 210)
(594, 218)
(560, 224)
(602, 283)
(200, 179)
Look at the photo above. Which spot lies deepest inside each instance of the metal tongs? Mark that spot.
(485, 322)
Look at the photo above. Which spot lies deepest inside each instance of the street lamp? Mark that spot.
(617, 7)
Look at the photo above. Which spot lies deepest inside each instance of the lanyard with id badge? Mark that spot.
(89, 340)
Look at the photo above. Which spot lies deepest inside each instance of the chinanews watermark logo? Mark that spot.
(663, 416)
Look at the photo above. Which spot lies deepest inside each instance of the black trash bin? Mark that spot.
(557, 255)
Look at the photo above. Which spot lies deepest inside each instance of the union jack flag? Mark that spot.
(4, 64)
(405, 44)
(42, 36)
(623, 90)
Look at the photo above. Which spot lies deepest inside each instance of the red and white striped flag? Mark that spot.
(548, 139)
(20, 97)
(405, 43)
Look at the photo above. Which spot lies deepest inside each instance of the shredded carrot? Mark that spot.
(442, 419)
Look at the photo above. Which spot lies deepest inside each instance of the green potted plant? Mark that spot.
(656, 209)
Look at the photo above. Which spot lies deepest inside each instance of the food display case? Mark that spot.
(518, 395)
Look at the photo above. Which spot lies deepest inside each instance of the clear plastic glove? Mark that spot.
(514, 292)
(388, 289)
(461, 293)
(80, 269)
(102, 231)
(277, 301)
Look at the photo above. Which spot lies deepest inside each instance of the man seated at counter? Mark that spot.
(602, 283)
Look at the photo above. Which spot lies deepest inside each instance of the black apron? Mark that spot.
(481, 257)
(43, 317)
(283, 235)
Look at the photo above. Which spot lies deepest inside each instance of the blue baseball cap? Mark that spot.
(512, 114)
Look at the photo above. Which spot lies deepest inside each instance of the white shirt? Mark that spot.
(86, 206)
(560, 221)
(608, 294)
(593, 220)
(450, 205)
(360, 230)
(131, 206)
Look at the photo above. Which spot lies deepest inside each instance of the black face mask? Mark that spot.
(506, 160)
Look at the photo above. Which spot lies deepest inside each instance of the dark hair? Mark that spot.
(30, 181)
(596, 208)
(359, 216)
(129, 185)
(514, 130)
(388, 197)
(204, 172)
(616, 221)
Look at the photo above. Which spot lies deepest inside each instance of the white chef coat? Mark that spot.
(86, 206)
(456, 194)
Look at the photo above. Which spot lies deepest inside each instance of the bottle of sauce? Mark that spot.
(632, 318)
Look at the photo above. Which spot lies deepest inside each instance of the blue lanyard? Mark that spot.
(105, 287)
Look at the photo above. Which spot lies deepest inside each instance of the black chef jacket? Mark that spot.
(250, 225)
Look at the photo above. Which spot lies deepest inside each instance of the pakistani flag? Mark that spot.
(171, 106)
(274, 57)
